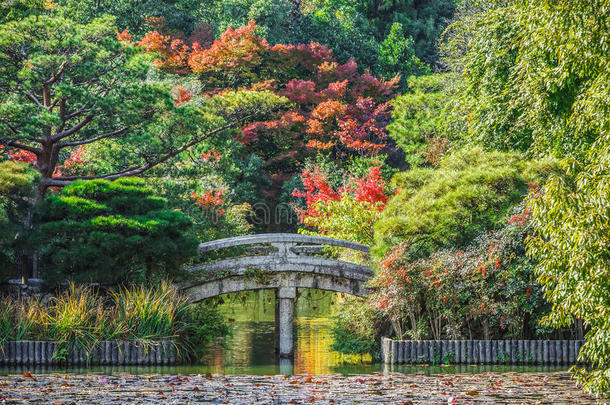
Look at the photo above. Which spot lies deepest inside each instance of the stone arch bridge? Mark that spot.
(279, 261)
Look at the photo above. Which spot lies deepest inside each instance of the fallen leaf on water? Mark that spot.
(27, 374)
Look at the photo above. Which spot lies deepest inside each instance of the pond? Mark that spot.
(245, 370)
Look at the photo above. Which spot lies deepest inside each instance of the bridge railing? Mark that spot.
(281, 252)
(276, 239)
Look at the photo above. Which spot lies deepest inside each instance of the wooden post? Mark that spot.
(385, 350)
(166, 345)
(475, 352)
(552, 352)
(577, 346)
(532, 352)
(488, 351)
(139, 351)
(572, 352)
(545, 352)
(172, 355)
(521, 351)
(413, 352)
(463, 352)
(455, 346)
(558, 351)
(401, 351)
(407, 352)
(14, 357)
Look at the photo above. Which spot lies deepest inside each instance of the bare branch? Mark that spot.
(32, 97)
(91, 140)
(20, 145)
(70, 131)
(55, 76)
(85, 108)
(12, 128)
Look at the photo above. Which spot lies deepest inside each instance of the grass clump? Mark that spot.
(144, 313)
(85, 316)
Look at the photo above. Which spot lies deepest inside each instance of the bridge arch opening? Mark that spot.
(294, 263)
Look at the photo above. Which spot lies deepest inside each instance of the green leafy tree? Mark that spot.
(70, 85)
(422, 20)
(278, 20)
(337, 24)
(132, 14)
(110, 232)
(418, 121)
(571, 220)
(18, 9)
(342, 27)
(532, 73)
(396, 54)
(535, 78)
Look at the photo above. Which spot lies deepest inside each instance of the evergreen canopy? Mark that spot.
(110, 232)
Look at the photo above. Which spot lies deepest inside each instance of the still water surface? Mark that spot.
(251, 348)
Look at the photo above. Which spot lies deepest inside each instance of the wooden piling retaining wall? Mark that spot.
(514, 352)
(106, 353)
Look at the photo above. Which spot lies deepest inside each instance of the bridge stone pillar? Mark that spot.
(285, 319)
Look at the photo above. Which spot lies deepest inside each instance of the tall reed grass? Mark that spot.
(149, 313)
(81, 314)
(20, 320)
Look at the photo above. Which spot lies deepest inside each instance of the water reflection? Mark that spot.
(252, 346)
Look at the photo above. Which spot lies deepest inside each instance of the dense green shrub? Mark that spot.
(471, 192)
(356, 328)
(484, 290)
(110, 232)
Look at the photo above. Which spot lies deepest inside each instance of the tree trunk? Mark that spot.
(28, 260)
